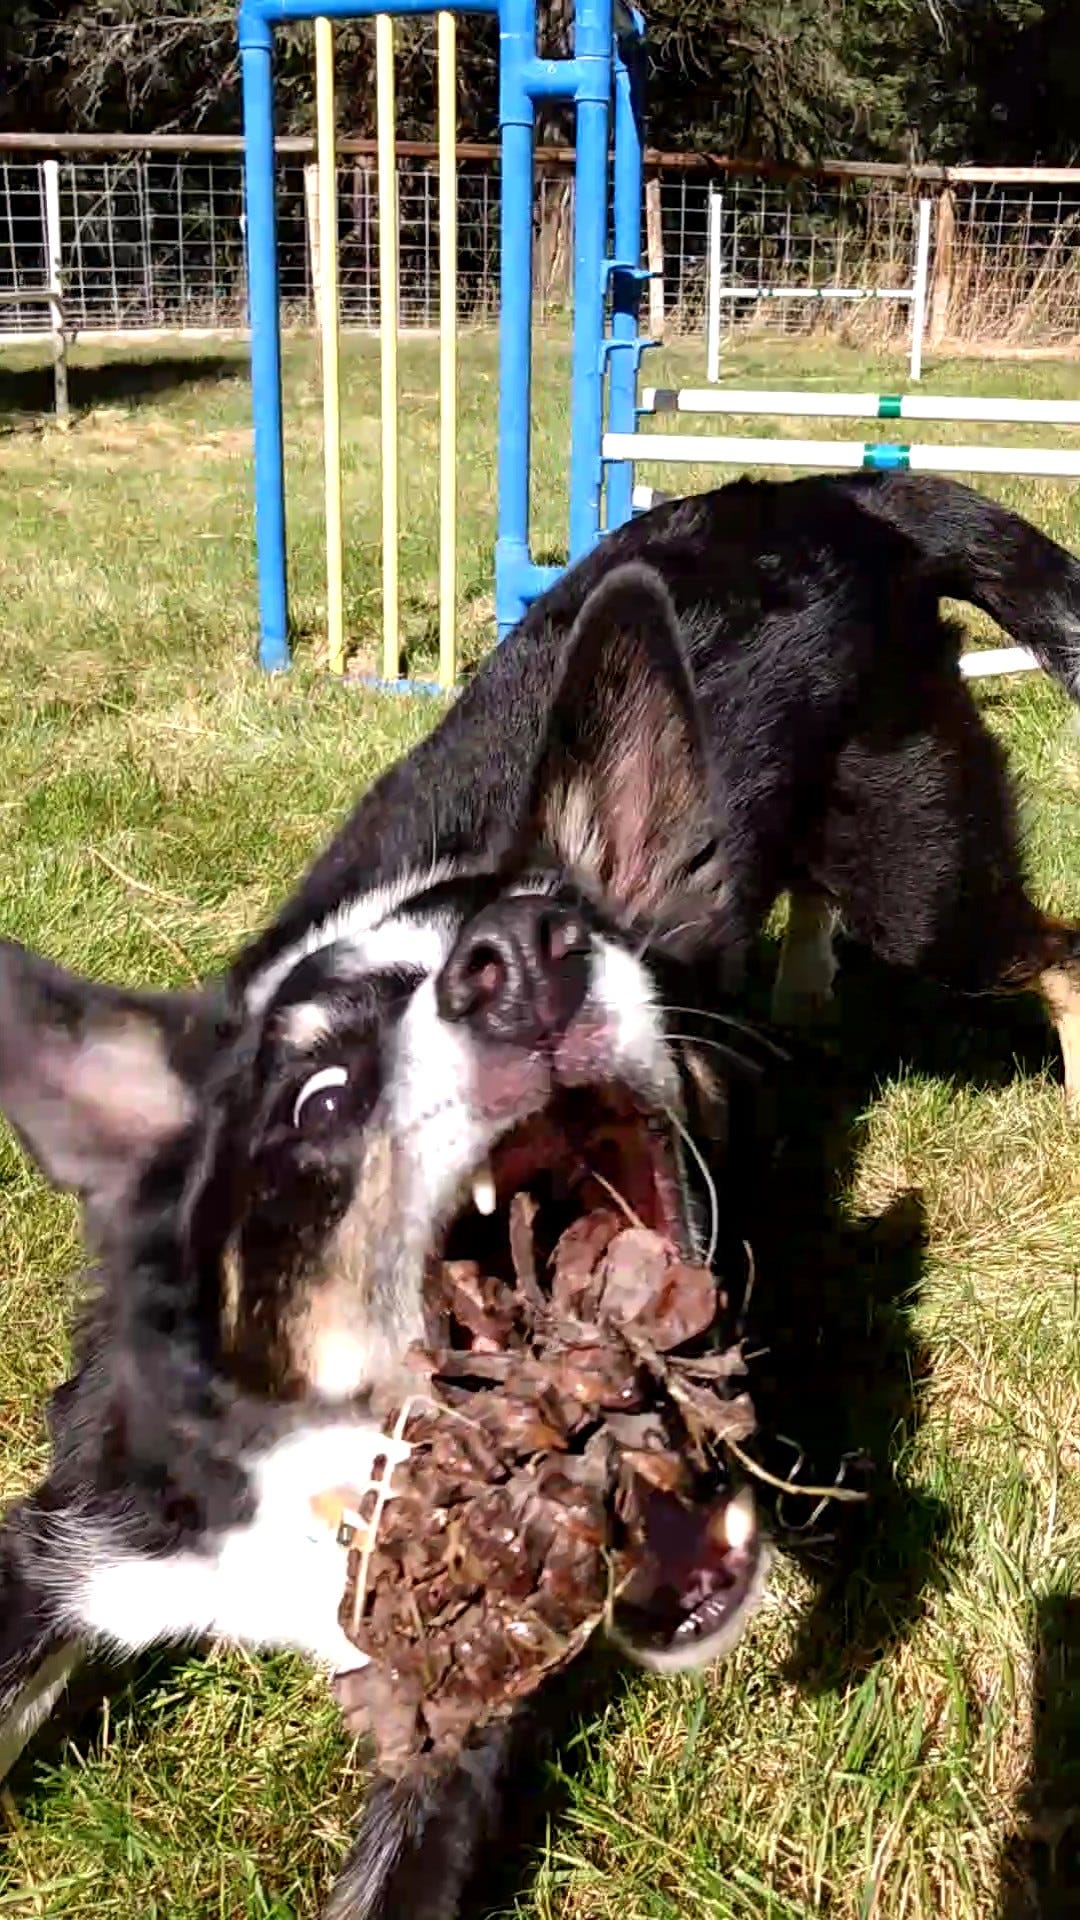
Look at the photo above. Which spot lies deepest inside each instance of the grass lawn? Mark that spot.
(899, 1736)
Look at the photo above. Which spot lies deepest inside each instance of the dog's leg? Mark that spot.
(804, 979)
(1046, 959)
(420, 1840)
(30, 1687)
(1060, 987)
(37, 1653)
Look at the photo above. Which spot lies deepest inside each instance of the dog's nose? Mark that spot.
(519, 971)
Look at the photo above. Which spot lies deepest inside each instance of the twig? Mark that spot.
(748, 1290)
(381, 1489)
(139, 886)
(835, 1492)
(172, 946)
(618, 1198)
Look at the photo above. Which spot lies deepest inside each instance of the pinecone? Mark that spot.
(555, 1415)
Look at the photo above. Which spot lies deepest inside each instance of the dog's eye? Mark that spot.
(321, 1100)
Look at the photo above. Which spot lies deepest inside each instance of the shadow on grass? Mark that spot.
(1040, 1869)
(120, 382)
(844, 1370)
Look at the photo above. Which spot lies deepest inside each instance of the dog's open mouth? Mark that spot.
(701, 1566)
(590, 1147)
(698, 1580)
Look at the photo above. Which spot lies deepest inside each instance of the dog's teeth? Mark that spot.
(483, 1191)
(733, 1526)
(740, 1520)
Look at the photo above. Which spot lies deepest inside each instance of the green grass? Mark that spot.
(898, 1737)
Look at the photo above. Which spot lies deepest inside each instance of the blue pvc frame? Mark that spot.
(603, 79)
(625, 346)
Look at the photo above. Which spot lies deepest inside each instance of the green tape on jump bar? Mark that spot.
(890, 406)
(880, 456)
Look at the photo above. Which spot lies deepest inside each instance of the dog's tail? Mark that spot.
(420, 1839)
(970, 548)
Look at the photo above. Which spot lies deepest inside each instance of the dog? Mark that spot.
(521, 934)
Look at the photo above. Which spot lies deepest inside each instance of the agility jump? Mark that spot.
(600, 80)
(603, 80)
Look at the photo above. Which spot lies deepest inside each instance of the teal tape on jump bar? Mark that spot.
(890, 406)
(881, 457)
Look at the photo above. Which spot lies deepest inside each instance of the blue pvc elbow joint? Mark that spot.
(253, 29)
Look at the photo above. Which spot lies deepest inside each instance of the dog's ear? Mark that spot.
(93, 1079)
(622, 790)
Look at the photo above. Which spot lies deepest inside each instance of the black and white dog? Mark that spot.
(739, 694)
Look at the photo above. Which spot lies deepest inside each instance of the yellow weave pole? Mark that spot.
(388, 318)
(447, 136)
(328, 328)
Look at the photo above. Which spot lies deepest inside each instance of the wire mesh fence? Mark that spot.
(1015, 267)
(23, 260)
(152, 240)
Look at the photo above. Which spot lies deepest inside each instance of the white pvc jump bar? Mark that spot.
(979, 666)
(734, 450)
(814, 293)
(861, 406)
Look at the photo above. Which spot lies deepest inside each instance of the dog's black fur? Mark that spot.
(744, 693)
(844, 745)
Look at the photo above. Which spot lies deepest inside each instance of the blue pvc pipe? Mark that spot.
(533, 580)
(274, 13)
(625, 287)
(256, 49)
(592, 54)
(517, 50)
(554, 79)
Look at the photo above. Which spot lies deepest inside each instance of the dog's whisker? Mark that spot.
(748, 1289)
(728, 1020)
(717, 1047)
(714, 1202)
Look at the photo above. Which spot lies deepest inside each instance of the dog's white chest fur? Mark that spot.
(275, 1581)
